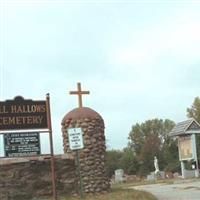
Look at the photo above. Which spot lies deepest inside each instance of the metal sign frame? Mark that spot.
(75, 136)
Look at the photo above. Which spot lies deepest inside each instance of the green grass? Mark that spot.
(120, 191)
(143, 182)
(117, 194)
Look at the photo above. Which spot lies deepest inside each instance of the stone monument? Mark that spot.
(156, 166)
(92, 156)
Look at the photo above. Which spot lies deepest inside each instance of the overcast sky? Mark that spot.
(139, 59)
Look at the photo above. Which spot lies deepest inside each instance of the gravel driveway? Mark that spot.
(180, 190)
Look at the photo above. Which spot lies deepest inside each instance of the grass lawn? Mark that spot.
(130, 184)
(117, 194)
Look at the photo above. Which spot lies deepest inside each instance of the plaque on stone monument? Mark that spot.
(75, 138)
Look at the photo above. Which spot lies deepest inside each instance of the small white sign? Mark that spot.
(75, 138)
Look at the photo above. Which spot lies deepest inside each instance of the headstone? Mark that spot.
(176, 175)
(189, 173)
(151, 177)
(169, 175)
(119, 175)
(162, 174)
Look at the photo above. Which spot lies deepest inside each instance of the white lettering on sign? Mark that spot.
(75, 138)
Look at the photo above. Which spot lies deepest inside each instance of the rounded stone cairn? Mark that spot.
(92, 156)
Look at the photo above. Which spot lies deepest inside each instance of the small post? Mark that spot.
(53, 174)
(79, 173)
(183, 169)
(194, 146)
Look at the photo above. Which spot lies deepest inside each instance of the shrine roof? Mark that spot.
(186, 127)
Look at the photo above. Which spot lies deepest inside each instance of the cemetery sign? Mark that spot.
(26, 115)
(21, 144)
(186, 147)
(186, 132)
(23, 114)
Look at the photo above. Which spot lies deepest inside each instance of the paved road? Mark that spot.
(182, 190)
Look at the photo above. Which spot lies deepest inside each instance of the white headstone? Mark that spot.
(119, 175)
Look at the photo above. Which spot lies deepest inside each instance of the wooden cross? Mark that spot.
(79, 93)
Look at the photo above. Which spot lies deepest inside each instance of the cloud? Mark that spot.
(162, 56)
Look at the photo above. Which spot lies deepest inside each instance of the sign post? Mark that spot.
(76, 143)
(79, 173)
(195, 155)
(53, 174)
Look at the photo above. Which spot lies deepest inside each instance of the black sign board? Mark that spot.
(21, 144)
(23, 114)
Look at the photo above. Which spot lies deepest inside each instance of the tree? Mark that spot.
(150, 149)
(148, 140)
(113, 161)
(170, 155)
(194, 111)
(124, 159)
(128, 161)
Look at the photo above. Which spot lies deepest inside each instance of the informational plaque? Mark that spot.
(186, 149)
(75, 138)
(22, 144)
